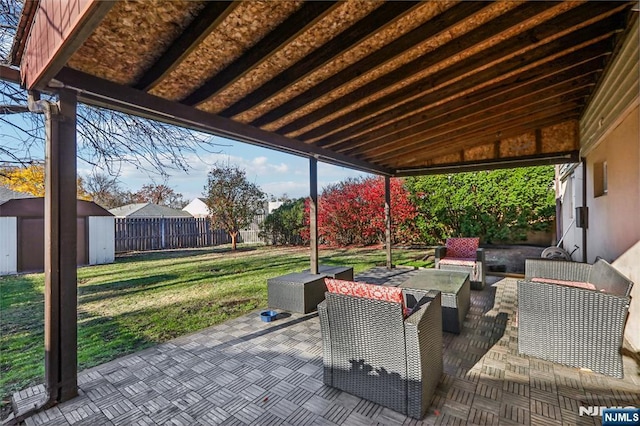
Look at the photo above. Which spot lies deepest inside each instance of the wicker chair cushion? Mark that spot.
(464, 248)
(370, 291)
(458, 261)
(578, 284)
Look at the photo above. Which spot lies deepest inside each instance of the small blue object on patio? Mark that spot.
(268, 315)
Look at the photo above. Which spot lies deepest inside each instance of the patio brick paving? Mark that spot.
(247, 372)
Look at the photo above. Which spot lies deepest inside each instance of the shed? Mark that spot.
(22, 230)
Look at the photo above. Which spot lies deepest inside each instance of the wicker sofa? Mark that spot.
(371, 350)
(573, 314)
(465, 255)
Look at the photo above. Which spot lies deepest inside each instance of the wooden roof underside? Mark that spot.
(396, 88)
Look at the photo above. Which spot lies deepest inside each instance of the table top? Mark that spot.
(435, 279)
(328, 269)
(299, 277)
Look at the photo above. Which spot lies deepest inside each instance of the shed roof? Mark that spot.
(7, 194)
(34, 207)
(395, 88)
(147, 210)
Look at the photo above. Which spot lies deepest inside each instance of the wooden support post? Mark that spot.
(313, 213)
(387, 219)
(60, 335)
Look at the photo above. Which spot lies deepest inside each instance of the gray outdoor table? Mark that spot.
(302, 291)
(456, 294)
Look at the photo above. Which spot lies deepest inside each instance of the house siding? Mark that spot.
(614, 233)
(610, 133)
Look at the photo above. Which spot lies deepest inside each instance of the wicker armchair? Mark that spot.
(465, 255)
(573, 314)
(372, 351)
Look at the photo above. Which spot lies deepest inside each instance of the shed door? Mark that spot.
(8, 245)
(31, 244)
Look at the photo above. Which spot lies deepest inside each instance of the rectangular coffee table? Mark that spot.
(297, 292)
(456, 294)
(302, 291)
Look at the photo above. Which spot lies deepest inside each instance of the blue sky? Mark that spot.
(275, 172)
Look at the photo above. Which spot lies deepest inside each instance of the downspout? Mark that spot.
(41, 107)
(49, 109)
(558, 205)
(584, 208)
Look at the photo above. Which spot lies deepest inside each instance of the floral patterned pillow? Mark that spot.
(370, 291)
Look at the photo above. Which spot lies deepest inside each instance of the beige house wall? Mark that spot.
(609, 132)
(614, 217)
(619, 209)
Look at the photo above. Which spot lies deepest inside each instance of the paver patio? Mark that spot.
(247, 372)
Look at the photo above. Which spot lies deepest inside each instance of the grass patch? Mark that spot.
(145, 299)
(417, 258)
(418, 263)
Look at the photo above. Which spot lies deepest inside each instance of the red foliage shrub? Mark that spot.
(352, 212)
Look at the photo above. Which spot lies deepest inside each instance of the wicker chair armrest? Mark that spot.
(423, 334)
(326, 343)
(480, 255)
(441, 252)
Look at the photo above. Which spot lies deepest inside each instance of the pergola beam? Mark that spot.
(443, 53)
(507, 57)
(565, 72)
(451, 17)
(550, 113)
(492, 164)
(308, 14)
(103, 93)
(212, 14)
(497, 117)
(362, 29)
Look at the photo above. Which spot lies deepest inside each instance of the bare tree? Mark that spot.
(106, 139)
(106, 191)
(160, 194)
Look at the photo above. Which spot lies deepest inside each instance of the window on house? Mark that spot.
(600, 179)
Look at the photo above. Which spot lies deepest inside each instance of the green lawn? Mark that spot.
(145, 299)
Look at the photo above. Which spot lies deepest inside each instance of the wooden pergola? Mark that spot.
(391, 88)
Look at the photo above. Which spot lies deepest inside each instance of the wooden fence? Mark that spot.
(140, 234)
